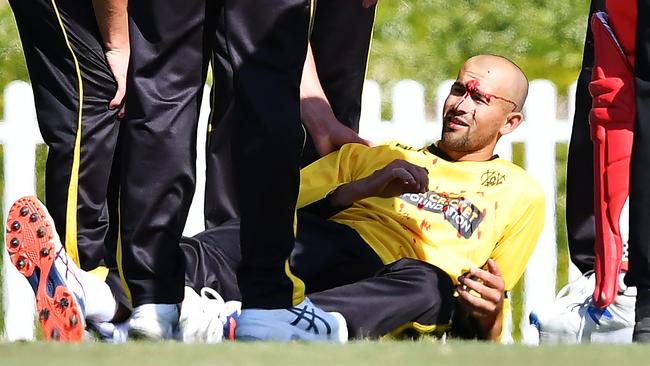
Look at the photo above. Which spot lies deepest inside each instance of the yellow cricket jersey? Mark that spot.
(473, 210)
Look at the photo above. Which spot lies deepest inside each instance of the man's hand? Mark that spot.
(394, 179)
(481, 295)
(328, 133)
(331, 136)
(118, 62)
(112, 20)
(397, 178)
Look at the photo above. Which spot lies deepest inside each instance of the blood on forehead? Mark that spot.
(472, 86)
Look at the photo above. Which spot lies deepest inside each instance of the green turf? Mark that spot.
(359, 353)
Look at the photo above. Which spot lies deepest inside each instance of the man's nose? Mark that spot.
(463, 104)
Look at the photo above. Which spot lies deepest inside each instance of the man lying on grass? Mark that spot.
(388, 234)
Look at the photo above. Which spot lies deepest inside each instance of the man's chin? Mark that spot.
(453, 143)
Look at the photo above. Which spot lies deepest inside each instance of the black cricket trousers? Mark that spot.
(340, 39)
(154, 170)
(72, 87)
(341, 273)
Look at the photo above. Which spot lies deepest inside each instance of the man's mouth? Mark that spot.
(456, 123)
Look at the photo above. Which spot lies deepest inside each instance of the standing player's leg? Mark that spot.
(267, 44)
(170, 49)
(561, 322)
(221, 203)
(72, 86)
(639, 271)
(580, 165)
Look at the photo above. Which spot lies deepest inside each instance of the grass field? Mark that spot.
(358, 353)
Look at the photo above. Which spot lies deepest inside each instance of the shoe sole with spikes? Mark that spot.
(30, 243)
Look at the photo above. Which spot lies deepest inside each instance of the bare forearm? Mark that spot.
(315, 108)
(113, 22)
(349, 193)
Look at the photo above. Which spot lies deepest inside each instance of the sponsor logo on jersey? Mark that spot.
(492, 178)
(458, 211)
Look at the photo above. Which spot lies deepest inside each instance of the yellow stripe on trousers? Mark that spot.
(298, 285)
(118, 255)
(73, 188)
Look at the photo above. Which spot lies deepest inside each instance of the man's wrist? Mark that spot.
(490, 326)
(349, 193)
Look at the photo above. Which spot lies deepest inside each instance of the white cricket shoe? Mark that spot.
(112, 332)
(153, 321)
(35, 249)
(303, 322)
(573, 318)
(206, 317)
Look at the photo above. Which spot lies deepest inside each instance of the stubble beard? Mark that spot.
(455, 143)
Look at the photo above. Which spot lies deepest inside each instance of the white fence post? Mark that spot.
(540, 162)
(408, 124)
(19, 137)
(370, 123)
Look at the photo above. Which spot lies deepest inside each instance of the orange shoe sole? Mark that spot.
(30, 243)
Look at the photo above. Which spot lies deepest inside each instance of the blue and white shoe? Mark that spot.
(35, 250)
(303, 322)
(573, 318)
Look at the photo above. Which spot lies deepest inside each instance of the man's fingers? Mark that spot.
(118, 98)
(421, 175)
(367, 142)
(403, 174)
(122, 111)
(474, 305)
(488, 293)
(493, 268)
(489, 279)
(414, 176)
(118, 102)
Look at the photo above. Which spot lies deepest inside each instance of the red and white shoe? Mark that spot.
(35, 250)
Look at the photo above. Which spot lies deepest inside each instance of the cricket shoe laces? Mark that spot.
(573, 317)
(303, 322)
(561, 321)
(615, 323)
(206, 317)
(36, 251)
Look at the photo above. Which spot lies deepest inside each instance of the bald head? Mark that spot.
(484, 103)
(500, 76)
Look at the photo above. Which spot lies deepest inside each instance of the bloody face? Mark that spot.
(473, 114)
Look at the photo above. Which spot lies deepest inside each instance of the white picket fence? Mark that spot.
(539, 133)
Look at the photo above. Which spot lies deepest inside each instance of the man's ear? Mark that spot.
(513, 120)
